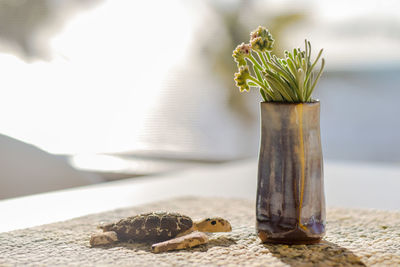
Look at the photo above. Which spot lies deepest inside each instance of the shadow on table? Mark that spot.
(220, 241)
(322, 254)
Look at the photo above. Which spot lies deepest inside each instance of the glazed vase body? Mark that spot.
(290, 191)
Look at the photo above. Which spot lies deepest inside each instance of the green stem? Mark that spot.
(264, 96)
(268, 55)
(256, 70)
(251, 78)
(261, 56)
(316, 79)
(316, 60)
(254, 61)
(262, 86)
(265, 58)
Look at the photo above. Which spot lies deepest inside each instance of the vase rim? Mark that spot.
(313, 102)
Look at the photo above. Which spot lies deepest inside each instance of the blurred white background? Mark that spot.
(112, 89)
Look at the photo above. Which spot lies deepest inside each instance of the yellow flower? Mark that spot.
(240, 53)
(241, 78)
(261, 40)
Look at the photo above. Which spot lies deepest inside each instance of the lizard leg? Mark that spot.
(190, 240)
(104, 238)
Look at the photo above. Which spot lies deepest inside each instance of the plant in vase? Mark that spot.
(290, 194)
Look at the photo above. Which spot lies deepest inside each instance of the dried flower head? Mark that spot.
(261, 40)
(241, 78)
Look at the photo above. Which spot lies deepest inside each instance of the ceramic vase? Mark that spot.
(290, 205)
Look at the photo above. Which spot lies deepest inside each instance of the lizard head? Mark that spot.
(215, 224)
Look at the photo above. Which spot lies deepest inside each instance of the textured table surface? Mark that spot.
(354, 237)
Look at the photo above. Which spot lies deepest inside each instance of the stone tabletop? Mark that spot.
(354, 237)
